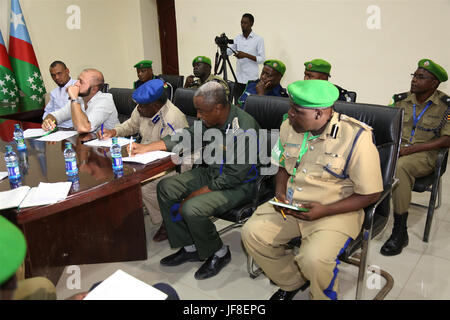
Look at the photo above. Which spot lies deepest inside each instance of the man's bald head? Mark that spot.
(95, 77)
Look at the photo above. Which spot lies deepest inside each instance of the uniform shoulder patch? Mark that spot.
(399, 96)
(355, 121)
(446, 100)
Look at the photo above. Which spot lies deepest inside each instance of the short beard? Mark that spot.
(85, 94)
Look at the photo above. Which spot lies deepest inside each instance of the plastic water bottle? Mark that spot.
(116, 154)
(71, 160)
(18, 136)
(75, 183)
(12, 164)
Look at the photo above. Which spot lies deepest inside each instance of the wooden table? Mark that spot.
(101, 222)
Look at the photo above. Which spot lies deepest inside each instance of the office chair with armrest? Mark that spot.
(174, 82)
(125, 105)
(432, 183)
(386, 123)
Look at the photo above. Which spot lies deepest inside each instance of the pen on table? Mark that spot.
(282, 212)
(102, 130)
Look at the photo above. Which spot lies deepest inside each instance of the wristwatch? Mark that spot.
(77, 100)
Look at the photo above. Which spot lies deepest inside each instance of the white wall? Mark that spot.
(376, 63)
(113, 36)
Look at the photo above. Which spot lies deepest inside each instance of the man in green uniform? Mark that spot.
(187, 201)
(12, 253)
(202, 71)
(329, 168)
(425, 130)
(144, 72)
(320, 69)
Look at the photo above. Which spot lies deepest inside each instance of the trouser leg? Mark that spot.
(37, 288)
(150, 199)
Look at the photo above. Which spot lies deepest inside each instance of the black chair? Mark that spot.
(387, 124)
(174, 82)
(184, 100)
(432, 183)
(352, 96)
(105, 88)
(231, 86)
(124, 102)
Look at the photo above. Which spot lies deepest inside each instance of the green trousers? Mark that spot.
(196, 227)
(409, 168)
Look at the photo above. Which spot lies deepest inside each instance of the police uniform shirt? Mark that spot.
(150, 128)
(435, 117)
(314, 184)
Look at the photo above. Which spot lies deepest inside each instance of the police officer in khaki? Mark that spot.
(13, 248)
(202, 71)
(329, 169)
(188, 200)
(425, 130)
(153, 118)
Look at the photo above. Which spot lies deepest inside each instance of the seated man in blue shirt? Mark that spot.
(268, 83)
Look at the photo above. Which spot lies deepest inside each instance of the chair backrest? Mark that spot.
(105, 88)
(231, 86)
(124, 102)
(175, 81)
(184, 100)
(352, 96)
(268, 111)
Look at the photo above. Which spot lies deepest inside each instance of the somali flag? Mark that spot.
(23, 60)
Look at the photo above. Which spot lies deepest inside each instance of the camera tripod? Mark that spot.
(223, 58)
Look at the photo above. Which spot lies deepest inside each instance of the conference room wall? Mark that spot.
(112, 36)
(376, 63)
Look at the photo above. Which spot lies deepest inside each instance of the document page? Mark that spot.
(46, 193)
(13, 198)
(107, 143)
(33, 133)
(58, 136)
(122, 286)
(148, 157)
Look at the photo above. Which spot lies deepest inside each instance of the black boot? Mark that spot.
(399, 237)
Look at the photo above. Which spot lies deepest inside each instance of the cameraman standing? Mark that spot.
(249, 48)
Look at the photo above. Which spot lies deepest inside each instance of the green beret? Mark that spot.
(313, 93)
(202, 59)
(318, 65)
(12, 249)
(434, 68)
(276, 65)
(143, 64)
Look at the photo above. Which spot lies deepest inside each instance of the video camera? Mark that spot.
(223, 41)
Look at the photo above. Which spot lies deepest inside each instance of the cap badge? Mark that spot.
(426, 63)
(309, 65)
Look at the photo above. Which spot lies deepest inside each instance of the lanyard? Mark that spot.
(416, 119)
(303, 150)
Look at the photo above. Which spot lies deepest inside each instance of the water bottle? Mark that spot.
(75, 179)
(18, 136)
(71, 160)
(12, 164)
(116, 154)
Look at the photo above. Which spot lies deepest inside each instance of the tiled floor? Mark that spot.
(420, 272)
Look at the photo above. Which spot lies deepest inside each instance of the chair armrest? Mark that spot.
(441, 156)
(370, 210)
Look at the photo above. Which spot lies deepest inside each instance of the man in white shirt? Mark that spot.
(89, 108)
(58, 96)
(249, 49)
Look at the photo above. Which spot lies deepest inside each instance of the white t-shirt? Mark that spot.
(58, 99)
(101, 110)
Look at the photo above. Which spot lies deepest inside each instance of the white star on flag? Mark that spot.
(33, 87)
(7, 77)
(33, 97)
(4, 90)
(12, 93)
(35, 75)
(30, 80)
(2, 83)
(17, 19)
(40, 89)
(13, 81)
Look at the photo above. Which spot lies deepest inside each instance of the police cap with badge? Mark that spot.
(143, 64)
(12, 249)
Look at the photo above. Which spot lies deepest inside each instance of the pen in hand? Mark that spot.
(282, 212)
(131, 144)
(102, 130)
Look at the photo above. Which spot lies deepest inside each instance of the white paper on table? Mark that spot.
(58, 136)
(33, 133)
(148, 157)
(13, 198)
(122, 286)
(3, 175)
(46, 193)
(108, 142)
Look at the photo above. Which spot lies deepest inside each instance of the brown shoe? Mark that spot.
(161, 234)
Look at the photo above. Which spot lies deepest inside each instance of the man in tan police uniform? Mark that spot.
(425, 129)
(154, 118)
(312, 152)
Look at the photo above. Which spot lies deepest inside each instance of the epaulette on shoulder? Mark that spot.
(399, 96)
(355, 121)
(446, 100)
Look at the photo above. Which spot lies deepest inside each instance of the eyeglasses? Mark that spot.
(420, 76)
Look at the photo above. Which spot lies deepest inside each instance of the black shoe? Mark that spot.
(212, 266)
(181, 256)
(284, 295)
(399, 237)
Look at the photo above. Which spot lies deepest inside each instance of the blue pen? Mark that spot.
(102, 129)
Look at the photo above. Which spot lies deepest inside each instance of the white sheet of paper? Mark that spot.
(3, 175)
(13, 198)
(33, 133)
(58, 136)
(148, 157)
(122, 286)
(46, 193)
(107, 143)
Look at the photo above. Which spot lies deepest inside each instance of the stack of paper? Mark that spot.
(33, 133)
(3, 175)
(148, 157)
(108, 142)
(58, 136)
(45, 193)
(122, 286)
